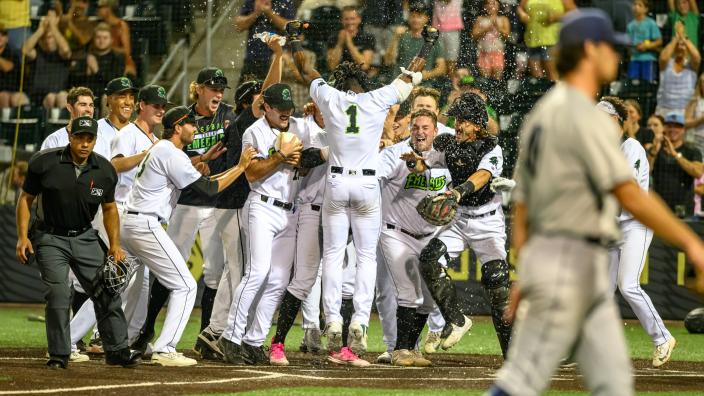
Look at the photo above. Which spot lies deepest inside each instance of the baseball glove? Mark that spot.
(117, 274)
(439, 210)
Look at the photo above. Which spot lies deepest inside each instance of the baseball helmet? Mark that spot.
(694, 321)
(469, 106)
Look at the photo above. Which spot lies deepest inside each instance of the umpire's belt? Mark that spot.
(64, 232)
(479, 216)
(146, 214)
(353, 172)
(414, 235)
(276, 202)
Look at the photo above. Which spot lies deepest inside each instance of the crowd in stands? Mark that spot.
(490, 46)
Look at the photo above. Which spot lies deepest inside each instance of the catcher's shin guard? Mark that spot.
(440, 285)
(496, 282)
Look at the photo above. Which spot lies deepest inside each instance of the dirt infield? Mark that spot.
(24, 372)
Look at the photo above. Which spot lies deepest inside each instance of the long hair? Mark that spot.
(347, 73)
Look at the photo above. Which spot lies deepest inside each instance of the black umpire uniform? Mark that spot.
(70, 194)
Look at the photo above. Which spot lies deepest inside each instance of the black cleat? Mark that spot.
(232, 353)
(124, 357)
(140, 344)
(57, 363)
(254, 356)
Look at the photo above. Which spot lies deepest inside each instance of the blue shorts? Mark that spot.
(641, 70)
(539, 53)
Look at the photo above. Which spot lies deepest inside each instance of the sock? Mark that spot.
(206, 306)
(77, 300)
(287, 315)
(347, 309)
(157, 299)
(419, 320)
(404, 324)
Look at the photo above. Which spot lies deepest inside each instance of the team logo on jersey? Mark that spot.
(286, 94)
(637, 165)
(96, 192)
(494, 161)
(421, 182)
(161, 92)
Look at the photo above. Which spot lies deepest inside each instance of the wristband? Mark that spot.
(465, 188)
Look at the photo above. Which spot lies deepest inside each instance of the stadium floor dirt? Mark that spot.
(22, 371)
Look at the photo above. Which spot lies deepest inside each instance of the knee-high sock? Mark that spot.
(346, 310)
(206, 306)
(157, 299)
(287, 315)
(404, 324)
(417, 328)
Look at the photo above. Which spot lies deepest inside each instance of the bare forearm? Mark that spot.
(123, 164)
(274, 74)
(111, 221)
(6, 65)
(225, 179)
(301, 62)
(64, 48)
(277, 20)
(22, 214)
(693, 168)
(392, 53)
(31, 43)
(260, 169)
(243, 22)
(439, 70)
(334, 56)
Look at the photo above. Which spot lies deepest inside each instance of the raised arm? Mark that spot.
(293, 31)
(667, 52)
(29, 46)
(274, 75)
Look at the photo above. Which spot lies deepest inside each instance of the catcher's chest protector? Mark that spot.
(463, 160)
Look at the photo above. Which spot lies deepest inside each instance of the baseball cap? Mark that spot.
(120, 84)
(153, 94)
(85, 124)
(178, 115)
(589, 24)
(469, 106)
(279, 96)
(674, 118)
(246, 91)
(212, 77)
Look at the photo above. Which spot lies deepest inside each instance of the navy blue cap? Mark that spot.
(589, 24)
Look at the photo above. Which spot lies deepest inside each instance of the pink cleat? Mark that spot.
(277, 357)
(347, 357)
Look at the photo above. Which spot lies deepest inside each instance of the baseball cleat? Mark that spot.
(77, 357)
(95, 346)
(207, 346)
(347, 357)
(358, 338)
(277, 357)
(311, 341)
(384, 358)
(253, 355)
(402, 358)
(432, 342)
(142, 341)
(172, 359)
(55, 364)
(419, 360)
(232, 353)
(457, 333)
(663, 352)
(125, 357)
(334, 333)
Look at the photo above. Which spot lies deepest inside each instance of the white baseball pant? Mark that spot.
(310, 309)
(268, 229)
(625, 266)
(307, 263)
(486, 235)
(144, 237)
(349, 272)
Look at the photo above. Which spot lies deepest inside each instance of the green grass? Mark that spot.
(16, 331)
(311, 390)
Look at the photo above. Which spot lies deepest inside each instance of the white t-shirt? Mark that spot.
(354, 122)
(313, 184)
(160, 177)
(59, 138)
(282, 184)
(402, 189)
(129, 141)
(636, 157)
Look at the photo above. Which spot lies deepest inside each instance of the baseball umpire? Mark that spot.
(73, 181)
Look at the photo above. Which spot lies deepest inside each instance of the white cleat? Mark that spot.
(172, 359)
(432, 342)
(663, 352)
(333, 331)
(358, 338)
(457, 333)
(384, 358)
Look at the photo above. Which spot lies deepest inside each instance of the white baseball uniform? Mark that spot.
(106, 133)
(159, 179)
(627, 260)
(354, 124)
(403, 235)
(131, 140)
(269, 234)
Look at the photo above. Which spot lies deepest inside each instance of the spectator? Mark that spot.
(491, 30)
(542, 18)
(14, 17)
(351, 43)
(675, 165)
(694, 114)
(620, 12)
(51, 59)
(632, 127)
(447, 18)
(407, 42)
(645, 36)
(655, 132)
(380, 20)
(76, 27)
(102, 63)
(467, 85)
(12, 180)
(107, 11)
(455, 80)
(10, 63)
(679, 61)
(685, 19)
(261, 16)
(698, 192)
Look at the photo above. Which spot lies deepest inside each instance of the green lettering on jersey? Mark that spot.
(637, 165)
(420, 182)
(271, 151)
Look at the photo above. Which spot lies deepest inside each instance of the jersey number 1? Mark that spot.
(352, 127)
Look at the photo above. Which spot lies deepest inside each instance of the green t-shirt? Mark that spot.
(408, 48)
(691, 25)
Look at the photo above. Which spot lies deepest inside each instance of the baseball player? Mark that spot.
(627, 260)
(354, 115)
(569, 171)
(404, 234)
(307, 258)
(269, 226)
(161, 175)
(474, 157)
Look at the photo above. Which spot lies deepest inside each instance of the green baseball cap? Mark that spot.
(279, 96)
(153, 94)
(212, 77)
(120, 84)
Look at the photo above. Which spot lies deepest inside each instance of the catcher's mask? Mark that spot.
(346, 74)
(117, 274)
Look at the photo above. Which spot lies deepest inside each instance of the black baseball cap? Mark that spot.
(120, 84)
(246, 91)
(85, 124)
(153, 94)
(178, 116)
(589, 24)
(212, 77)
(279, 96)
(469, 106)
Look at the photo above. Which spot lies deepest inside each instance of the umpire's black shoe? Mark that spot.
(144, 338)
(124, 357)
(254, 355)
(57, 362)
(232, 353)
